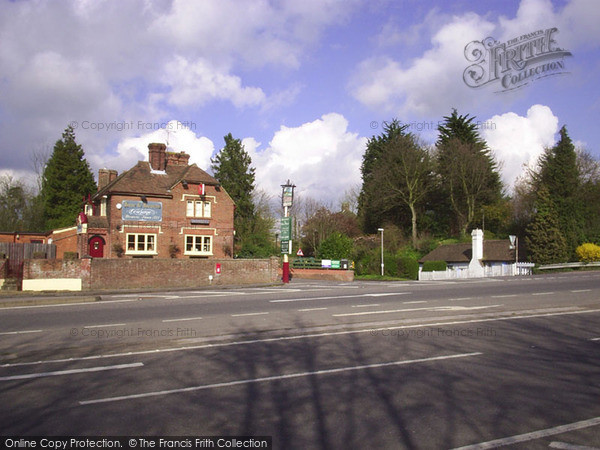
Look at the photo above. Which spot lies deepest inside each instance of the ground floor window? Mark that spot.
(141, 244)
(198, 245)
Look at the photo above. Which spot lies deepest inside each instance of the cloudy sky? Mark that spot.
(304, 84)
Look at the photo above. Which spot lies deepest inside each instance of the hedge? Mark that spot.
(434, 266)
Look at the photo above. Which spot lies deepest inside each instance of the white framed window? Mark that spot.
(103, 206)
(198, 245)
(141, 244)
(198, 208)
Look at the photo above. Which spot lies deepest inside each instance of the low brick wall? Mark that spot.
(323, 274)
(101, 274)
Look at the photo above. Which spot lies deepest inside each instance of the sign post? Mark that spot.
(287, 199)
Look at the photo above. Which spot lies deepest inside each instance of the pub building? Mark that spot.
(161, 208)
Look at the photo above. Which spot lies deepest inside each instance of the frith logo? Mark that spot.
(516, 62)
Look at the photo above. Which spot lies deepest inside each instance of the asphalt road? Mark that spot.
(512, 361)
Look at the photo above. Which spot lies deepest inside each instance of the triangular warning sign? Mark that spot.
(299, 252)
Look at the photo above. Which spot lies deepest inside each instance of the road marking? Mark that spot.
(70, 372)
(181, 320)
(460, 299)
(533, 435)
(311, 309)
(297, 337)
(543, 293)
(287, 300)
(575, 291)
(250, 314)
(567, 446)
(105, 325)
(415, 302)
(436, 308)
(277, 377)
(61, 305)
(595, 339)
(21, 332)
(365, 306)
(504, 296)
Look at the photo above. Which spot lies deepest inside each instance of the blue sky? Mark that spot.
(303, 84)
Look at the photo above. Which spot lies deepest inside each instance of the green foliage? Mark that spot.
(408, 267)
(336, 246)
(19, 207)
(544, 240)
(66, 181)
(434, 266)
(588, 252)
(370, 216)
(468, 172)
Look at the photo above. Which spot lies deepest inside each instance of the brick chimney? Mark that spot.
(157, 156)
(177, 159)
(106, 176)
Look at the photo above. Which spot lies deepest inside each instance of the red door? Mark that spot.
(96, 247)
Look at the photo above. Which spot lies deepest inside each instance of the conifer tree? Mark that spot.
(544, 239)
(468, 172)
(66, 181)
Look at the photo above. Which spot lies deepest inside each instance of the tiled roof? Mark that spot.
(140, 179)
(493, 250)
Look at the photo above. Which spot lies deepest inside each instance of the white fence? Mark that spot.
(497, 270)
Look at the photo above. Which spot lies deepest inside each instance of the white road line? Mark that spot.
(575, 291)
(567, 446)
(61, 305)
(287, 300)
(461, 299)
(105, 325)
(364, 306)
(250, 314)
(371, 330)
(504, 296)
(69, 372)
(543, 293)
(312, 309)
(595, 339)
(533, 435)
(436, 308)
(415, 302)
(183, 319)
(20, 332)
(277, 377)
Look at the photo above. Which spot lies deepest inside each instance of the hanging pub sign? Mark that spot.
(141, 211)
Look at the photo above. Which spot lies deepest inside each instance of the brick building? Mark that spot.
(159, 208)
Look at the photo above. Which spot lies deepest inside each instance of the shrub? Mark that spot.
(408, 267)
(69, 256)
(588, 252)
(434, 266)
(336, 246)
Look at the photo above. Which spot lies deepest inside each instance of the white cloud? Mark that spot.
(519, 141)
(180, 139)
(432, 82)
(196, 83)
(321, 157)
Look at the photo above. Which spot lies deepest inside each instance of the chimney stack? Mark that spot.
(177, 159)
(106, 176)
(157, 156)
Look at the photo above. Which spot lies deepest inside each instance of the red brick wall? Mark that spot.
(65, 241)
(175, 224)
(323, 274)
(99, 274)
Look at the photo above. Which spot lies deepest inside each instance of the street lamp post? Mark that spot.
(287, 199)
(382, 263)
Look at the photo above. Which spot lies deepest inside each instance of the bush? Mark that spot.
(434, 266)
(336, 246)
(408, 267)
(588, 252)
(69, 256)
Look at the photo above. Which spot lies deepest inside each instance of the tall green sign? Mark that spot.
(286, 228)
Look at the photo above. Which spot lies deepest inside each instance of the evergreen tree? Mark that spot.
(66, 181)
(468, 172)
(232, 167)
(370, 216)
(559, 175)
(544, 239)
